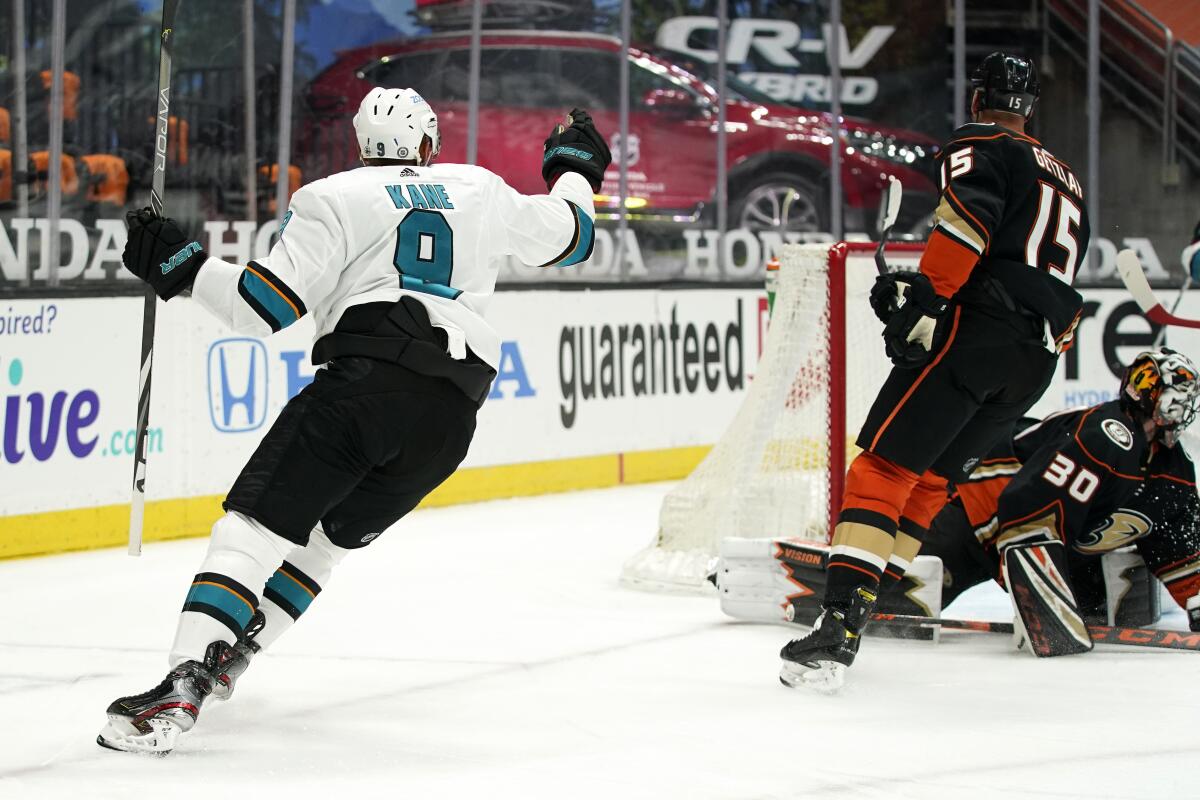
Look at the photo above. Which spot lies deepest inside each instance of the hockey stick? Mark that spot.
(1129, 267)
(1162, 332)
(888, 213)
(1101, 634)
(912, 621)
(137, 506)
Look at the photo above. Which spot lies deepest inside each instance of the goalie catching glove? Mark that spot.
(910, 309)
(576, 147)
(160, 253)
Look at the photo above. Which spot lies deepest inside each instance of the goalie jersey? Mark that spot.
(1090, 478)
(1011, 229)
(437, 233)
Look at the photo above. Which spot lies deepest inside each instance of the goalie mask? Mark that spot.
(1162, 385)
(393, 123)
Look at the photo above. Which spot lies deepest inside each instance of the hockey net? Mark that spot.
(778, 469)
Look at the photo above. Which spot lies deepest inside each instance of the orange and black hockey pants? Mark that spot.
(928, 428)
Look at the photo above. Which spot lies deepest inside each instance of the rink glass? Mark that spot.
(669, 210)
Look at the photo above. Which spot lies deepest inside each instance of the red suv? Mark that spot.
(528, 79)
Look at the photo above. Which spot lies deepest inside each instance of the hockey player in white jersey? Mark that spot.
(396, 262)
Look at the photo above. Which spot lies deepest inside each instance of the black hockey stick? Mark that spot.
(1101, 634)
(137, 507)
(888, 211)
(1129, 267)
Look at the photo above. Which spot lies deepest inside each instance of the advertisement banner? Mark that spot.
(1111, 332)
(582, 373)
(697, 253)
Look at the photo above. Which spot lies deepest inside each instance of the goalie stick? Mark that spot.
(137, 505)
(1101, 634)
(1129, 267)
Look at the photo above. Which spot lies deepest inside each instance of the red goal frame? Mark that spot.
(836, 412)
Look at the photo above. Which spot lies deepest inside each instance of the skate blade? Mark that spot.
(826, 678)
(120, 735)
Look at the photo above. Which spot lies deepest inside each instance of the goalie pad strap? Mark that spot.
(1047, 617)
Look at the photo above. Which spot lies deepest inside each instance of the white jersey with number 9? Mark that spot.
(376, 233)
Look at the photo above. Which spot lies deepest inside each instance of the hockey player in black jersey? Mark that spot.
(1096, 479)
(974, 336)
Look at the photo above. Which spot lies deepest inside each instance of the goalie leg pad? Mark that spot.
(771, 580)
(1131, 590)
(1048, 620)
(783, 580)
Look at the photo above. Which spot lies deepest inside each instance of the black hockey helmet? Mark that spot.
(1005, 83)
(1163, 385)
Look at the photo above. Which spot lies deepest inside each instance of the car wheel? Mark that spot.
(761, 206)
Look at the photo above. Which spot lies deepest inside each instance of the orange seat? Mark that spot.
(70, 92)
(6, 176)
(110, 178)
(5, 129)
(177, 139)
(271, 173)
(70, 178)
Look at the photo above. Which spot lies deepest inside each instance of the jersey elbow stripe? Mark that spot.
(583, 240)
(962, 234)
(270, 297)
(1179, 571)
(953, 215)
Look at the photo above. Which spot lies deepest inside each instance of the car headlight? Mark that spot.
(913, 155)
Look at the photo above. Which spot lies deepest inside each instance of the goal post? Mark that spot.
(779, 468)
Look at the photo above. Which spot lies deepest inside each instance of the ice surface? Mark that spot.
(487, 651)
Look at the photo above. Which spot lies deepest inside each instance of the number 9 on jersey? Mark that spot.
(425, 253)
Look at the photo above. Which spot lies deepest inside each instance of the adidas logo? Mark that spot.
(409, 172)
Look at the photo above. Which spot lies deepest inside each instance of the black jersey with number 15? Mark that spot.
(1011, 228)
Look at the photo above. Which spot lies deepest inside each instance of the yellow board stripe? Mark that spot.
(108, 526)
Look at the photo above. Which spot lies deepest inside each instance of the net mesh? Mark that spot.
(769, 475)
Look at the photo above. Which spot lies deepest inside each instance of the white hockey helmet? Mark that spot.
(392, 123)
(1163, 385)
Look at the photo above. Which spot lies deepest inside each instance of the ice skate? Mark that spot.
(236, 659)
(819, 660)
(152, 722)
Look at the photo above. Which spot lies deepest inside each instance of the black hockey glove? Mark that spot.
(578, 148)
(884, 296)
(160, 253)
(913, 326)
(1194, 618)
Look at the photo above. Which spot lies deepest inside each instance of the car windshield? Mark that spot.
(738, 89)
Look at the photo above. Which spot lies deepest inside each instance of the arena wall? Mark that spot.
(596, 388)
